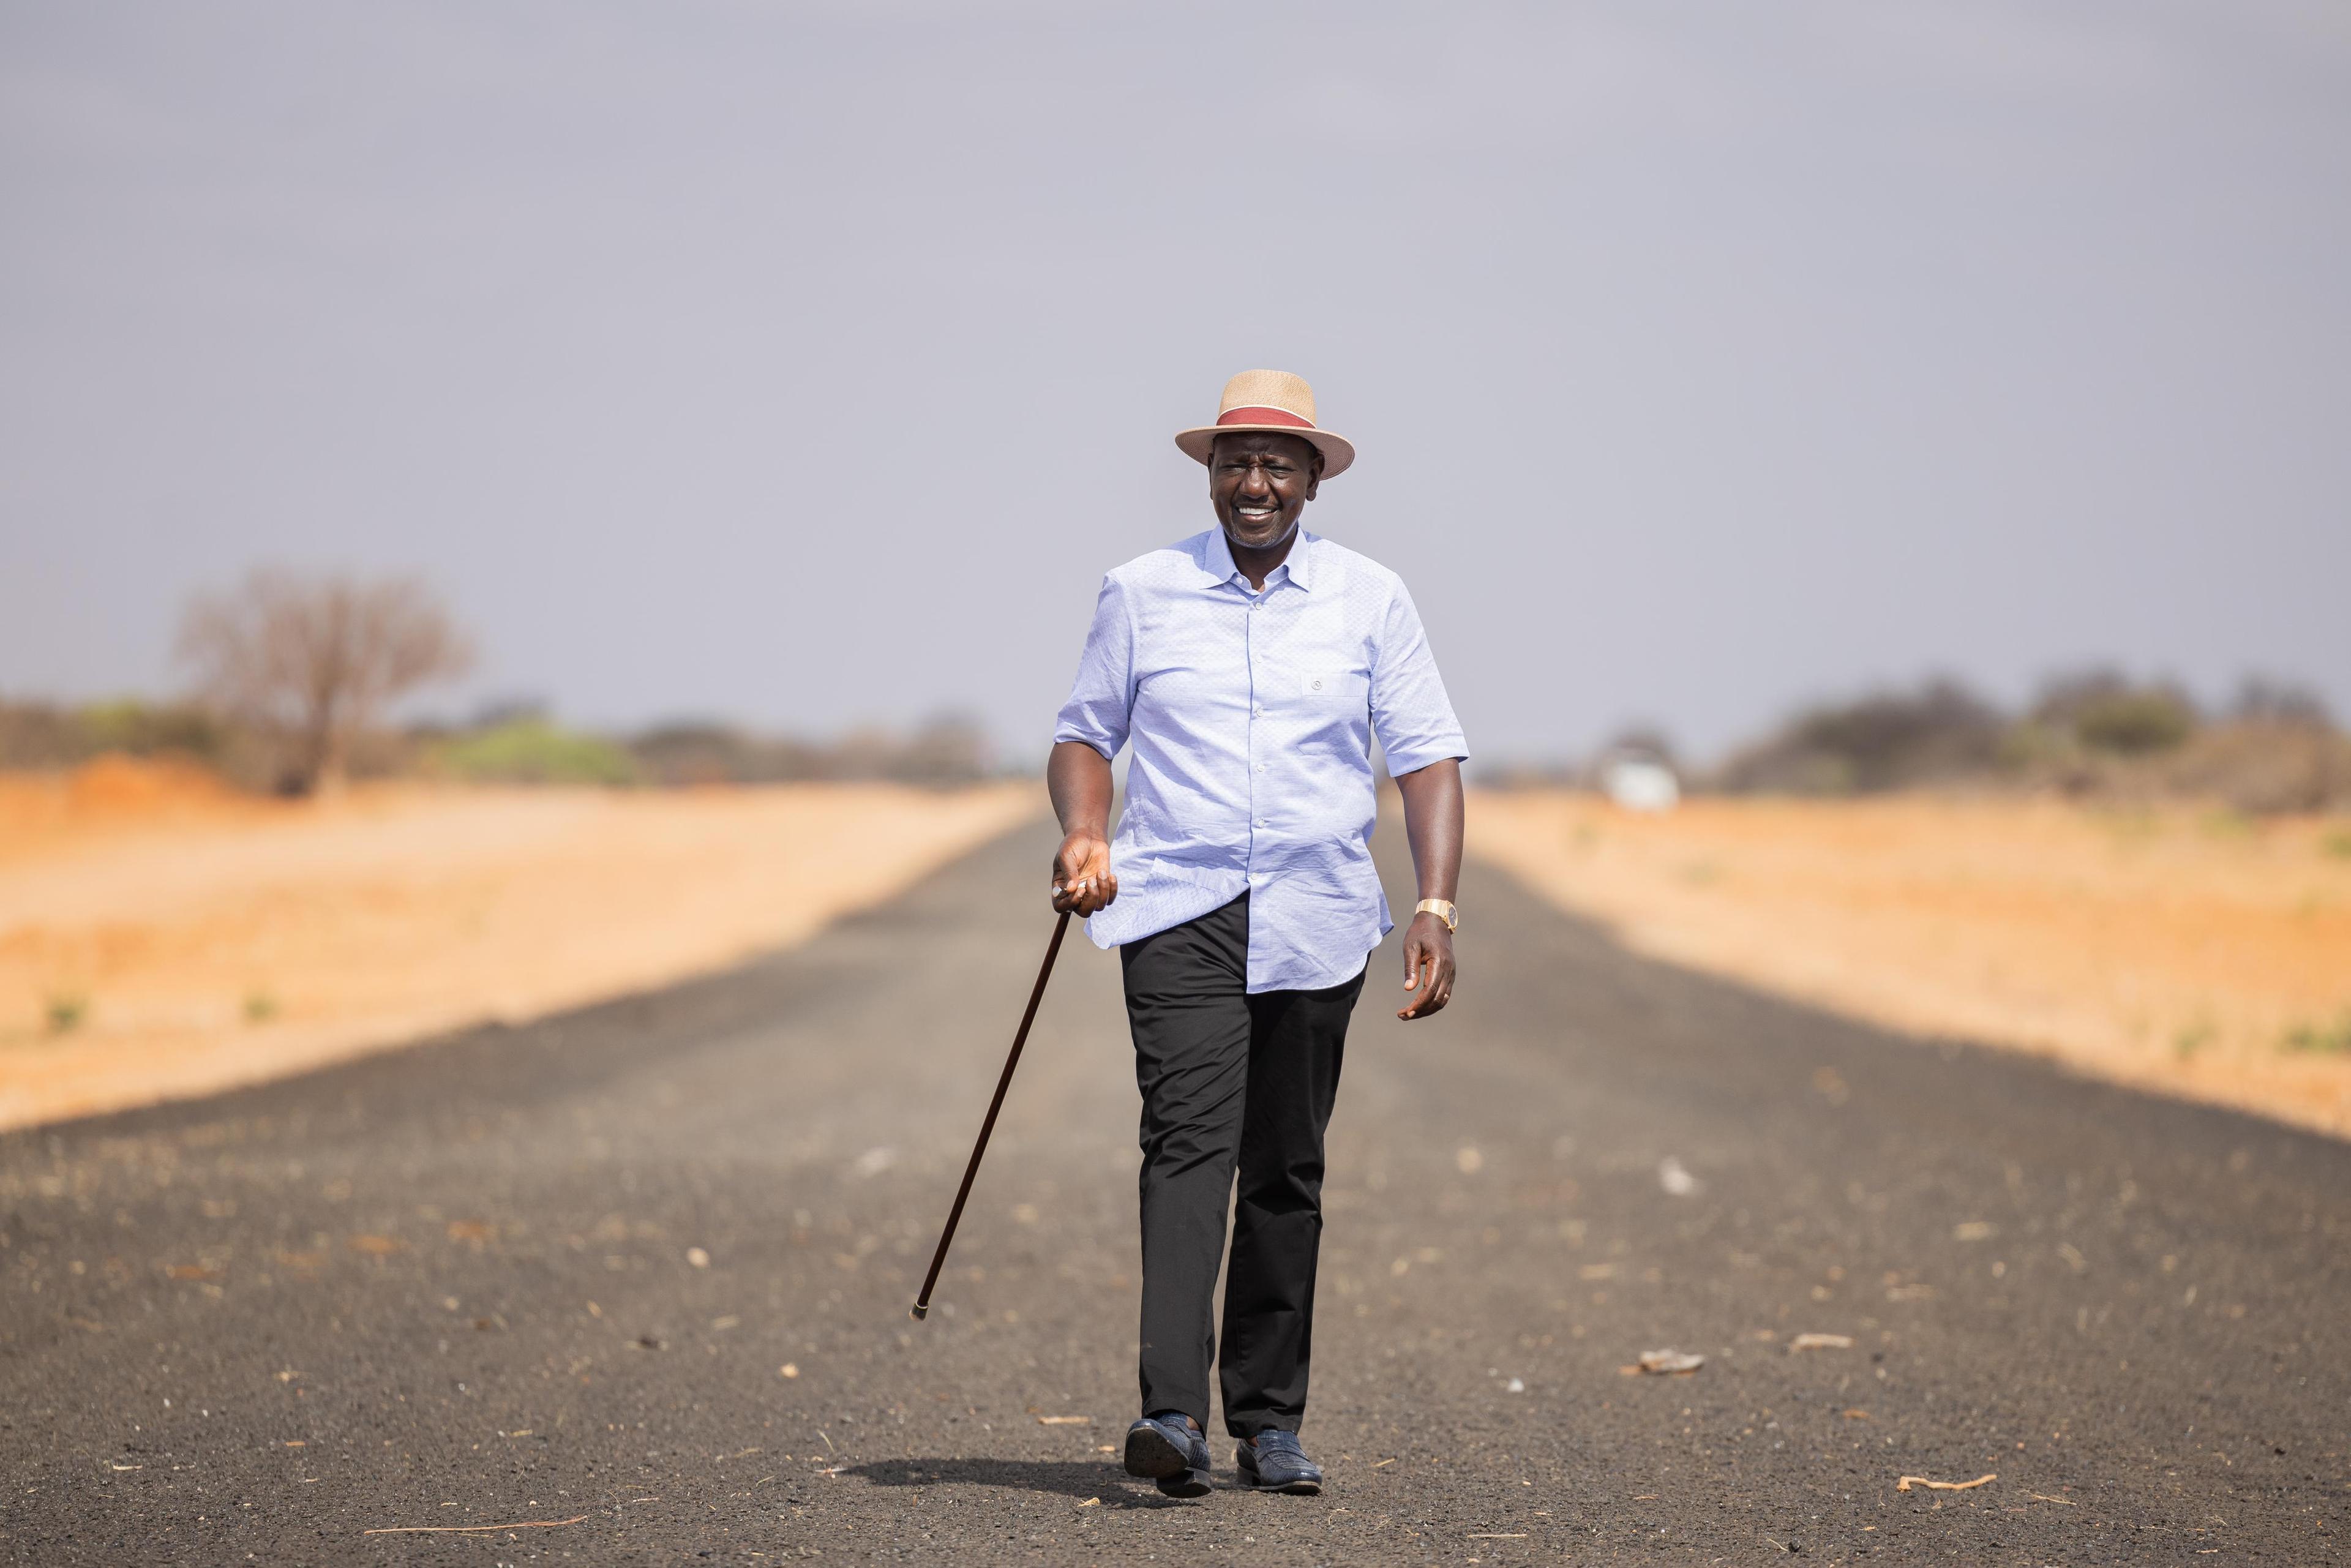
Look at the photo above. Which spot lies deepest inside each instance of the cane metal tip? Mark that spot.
(921, 1310)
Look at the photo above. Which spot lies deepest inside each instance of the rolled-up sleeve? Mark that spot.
(1102, 699)
(1409, 707)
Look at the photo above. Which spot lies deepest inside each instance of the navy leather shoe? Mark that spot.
(1276, 1463)
(1167, 1449)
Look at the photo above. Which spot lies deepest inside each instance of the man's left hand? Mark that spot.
(1427, 966)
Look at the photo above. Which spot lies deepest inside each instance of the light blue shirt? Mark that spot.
(1251, 715)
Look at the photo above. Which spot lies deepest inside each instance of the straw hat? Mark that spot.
(1272, 401)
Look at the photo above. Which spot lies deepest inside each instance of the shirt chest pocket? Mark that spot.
(1332, 689)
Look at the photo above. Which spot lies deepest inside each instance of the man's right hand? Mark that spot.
(1083, 882)
(1078, 778)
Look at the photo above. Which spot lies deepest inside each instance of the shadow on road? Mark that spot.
(1061, 1478)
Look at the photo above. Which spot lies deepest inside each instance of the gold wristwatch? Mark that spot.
(1443, 909)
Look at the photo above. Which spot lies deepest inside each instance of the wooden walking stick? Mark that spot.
(939, 1259)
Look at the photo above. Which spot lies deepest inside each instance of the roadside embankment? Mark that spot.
(162, 936)
(2193, 951)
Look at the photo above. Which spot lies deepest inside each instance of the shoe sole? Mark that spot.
(1152, 1457)
(1191, 1484)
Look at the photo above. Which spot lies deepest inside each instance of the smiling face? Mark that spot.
(1260, 483)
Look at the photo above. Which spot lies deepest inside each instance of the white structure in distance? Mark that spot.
(1639, 783)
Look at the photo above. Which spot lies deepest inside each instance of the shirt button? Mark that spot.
(1260, 767)
(1261, 821)
(1258, 710)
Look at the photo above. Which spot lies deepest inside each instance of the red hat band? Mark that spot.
(1261, 415)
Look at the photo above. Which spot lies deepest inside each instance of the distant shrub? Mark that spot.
(946, 751)
(2267, 765)
(949, 749)
(48, 735)
(2137, 723)
(2106, 712)
(697, 752)
(65, 1011)
(535, 751)
(144, 729)
(2263, 699)
(38, 734)
(1887, 740)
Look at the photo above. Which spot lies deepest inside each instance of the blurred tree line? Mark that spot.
(503, 746)
(2095, 733)
(292, 678)
(518, 744)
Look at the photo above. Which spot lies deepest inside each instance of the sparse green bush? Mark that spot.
(66, 1012)
(144, 730)
(47, 735)
(2106, 712)
(535, 751)
(2137, 723)
(2329, 1039)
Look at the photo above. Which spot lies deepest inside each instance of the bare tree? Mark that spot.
(315, 661)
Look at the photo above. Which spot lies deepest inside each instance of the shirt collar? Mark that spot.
(1297, 566)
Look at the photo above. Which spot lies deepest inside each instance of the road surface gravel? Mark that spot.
(630, 1285)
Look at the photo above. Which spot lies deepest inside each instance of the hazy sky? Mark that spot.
(805, 363)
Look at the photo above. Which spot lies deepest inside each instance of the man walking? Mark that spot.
(1249, 667)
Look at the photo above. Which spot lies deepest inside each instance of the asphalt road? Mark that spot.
(646, 1269)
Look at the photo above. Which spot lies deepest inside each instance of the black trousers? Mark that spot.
(1229, 1079)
